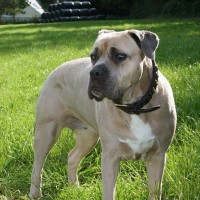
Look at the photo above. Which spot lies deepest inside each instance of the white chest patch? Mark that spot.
(143, 132)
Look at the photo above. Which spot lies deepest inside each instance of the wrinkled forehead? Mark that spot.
(118, 40)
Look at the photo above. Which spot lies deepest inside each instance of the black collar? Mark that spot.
(136, 107)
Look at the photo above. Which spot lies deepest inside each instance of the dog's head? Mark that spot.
(117, 59)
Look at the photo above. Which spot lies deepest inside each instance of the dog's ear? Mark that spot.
(147, 42)
(105, 31)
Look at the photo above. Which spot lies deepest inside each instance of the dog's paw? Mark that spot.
(35, 192)
(73, 183)
(35, 196)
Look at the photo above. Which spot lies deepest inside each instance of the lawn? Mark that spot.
(29, 52)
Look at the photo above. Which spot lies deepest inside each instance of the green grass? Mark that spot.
(28, 53)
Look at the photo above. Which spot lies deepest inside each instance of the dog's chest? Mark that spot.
(144, 138)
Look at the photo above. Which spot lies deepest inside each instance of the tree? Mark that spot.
(3, 7)
(12, 7)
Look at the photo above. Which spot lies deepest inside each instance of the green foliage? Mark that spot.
(12, 7)
(30, 52)
(148, 8)
(3, 6)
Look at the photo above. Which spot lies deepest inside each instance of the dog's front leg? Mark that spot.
(110, 167)
(155, 168)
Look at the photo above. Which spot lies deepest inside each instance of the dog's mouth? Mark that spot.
(96, 94)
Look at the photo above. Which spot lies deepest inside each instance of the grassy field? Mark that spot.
(28, 53)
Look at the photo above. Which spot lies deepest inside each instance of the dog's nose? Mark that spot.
(99, 72)
(95, 74)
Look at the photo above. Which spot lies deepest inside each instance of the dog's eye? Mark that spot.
(93, 57)
(120, 57)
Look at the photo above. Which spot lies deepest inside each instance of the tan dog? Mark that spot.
(127, 91)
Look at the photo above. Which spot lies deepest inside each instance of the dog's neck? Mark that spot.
(139, 95)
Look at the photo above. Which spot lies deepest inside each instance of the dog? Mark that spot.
(117, 95)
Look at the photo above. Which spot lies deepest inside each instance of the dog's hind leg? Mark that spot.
(86, 139)
(46, 134)
(50, 113)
